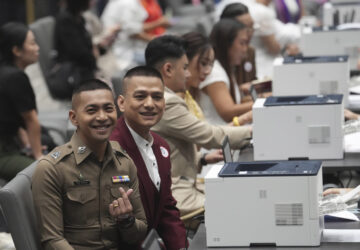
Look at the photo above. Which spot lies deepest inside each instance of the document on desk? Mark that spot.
(341, 235)
(341, 216)
(354, 101)
(355, 90)
(352, 142)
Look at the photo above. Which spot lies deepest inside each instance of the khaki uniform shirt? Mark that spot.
(72, 191)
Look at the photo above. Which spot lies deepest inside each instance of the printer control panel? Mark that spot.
(303, 100)
(270, 168)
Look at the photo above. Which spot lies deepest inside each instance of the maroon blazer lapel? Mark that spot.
(164, 216)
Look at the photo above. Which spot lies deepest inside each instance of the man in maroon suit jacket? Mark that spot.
(142, 104)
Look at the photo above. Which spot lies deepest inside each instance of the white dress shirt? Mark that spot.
(130, 15)
(145, 148)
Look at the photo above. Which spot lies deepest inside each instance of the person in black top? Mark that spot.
(19, 124)
(72, 41)
(74, 45)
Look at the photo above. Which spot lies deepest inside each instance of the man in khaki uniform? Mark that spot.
(181, 129)
(86, 192)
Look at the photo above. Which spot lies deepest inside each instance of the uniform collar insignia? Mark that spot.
(81, 149)
(55, 155)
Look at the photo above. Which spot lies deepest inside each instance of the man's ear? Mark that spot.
(121, 103)
(167, 69)
(72, 117)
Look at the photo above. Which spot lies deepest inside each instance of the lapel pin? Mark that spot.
(164, 152)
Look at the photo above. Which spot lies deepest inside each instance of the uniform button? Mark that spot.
(153, 164)
(157, 183)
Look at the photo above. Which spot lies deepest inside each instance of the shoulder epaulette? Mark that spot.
(58, 153)
(118, 149)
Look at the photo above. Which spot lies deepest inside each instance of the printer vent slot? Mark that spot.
(289, 214)
(291, 99)
(328, 87)
(319, 134)
(254, 167)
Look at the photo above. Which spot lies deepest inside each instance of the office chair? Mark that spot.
(18, 208)
(43, 30)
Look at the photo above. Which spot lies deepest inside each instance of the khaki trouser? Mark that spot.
(189, 196)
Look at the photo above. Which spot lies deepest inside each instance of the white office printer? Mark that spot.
(298, 127)
(317, 75)
(338, 12)
(331, 41)
(264, 203)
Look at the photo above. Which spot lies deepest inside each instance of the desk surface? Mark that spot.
(351, 161)
(199, 240)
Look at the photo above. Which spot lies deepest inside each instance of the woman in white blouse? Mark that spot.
(220, 97)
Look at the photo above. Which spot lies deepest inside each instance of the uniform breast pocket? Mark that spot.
(81, 207)
(115, 192)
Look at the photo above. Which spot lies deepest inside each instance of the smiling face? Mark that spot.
(94, 115)
(143, 103)
(200, 67)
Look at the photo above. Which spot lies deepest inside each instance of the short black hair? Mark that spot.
(164, 48)
(75, 7)
(90, 84)
(141, 71)
(11, 34)
(233, 10)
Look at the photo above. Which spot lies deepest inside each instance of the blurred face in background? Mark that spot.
(237, 51)
(200, 67)
(179, 74)
(29, 52)
(247, 20)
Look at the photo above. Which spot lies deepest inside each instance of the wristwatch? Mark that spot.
(202, 160)
(126, 223)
